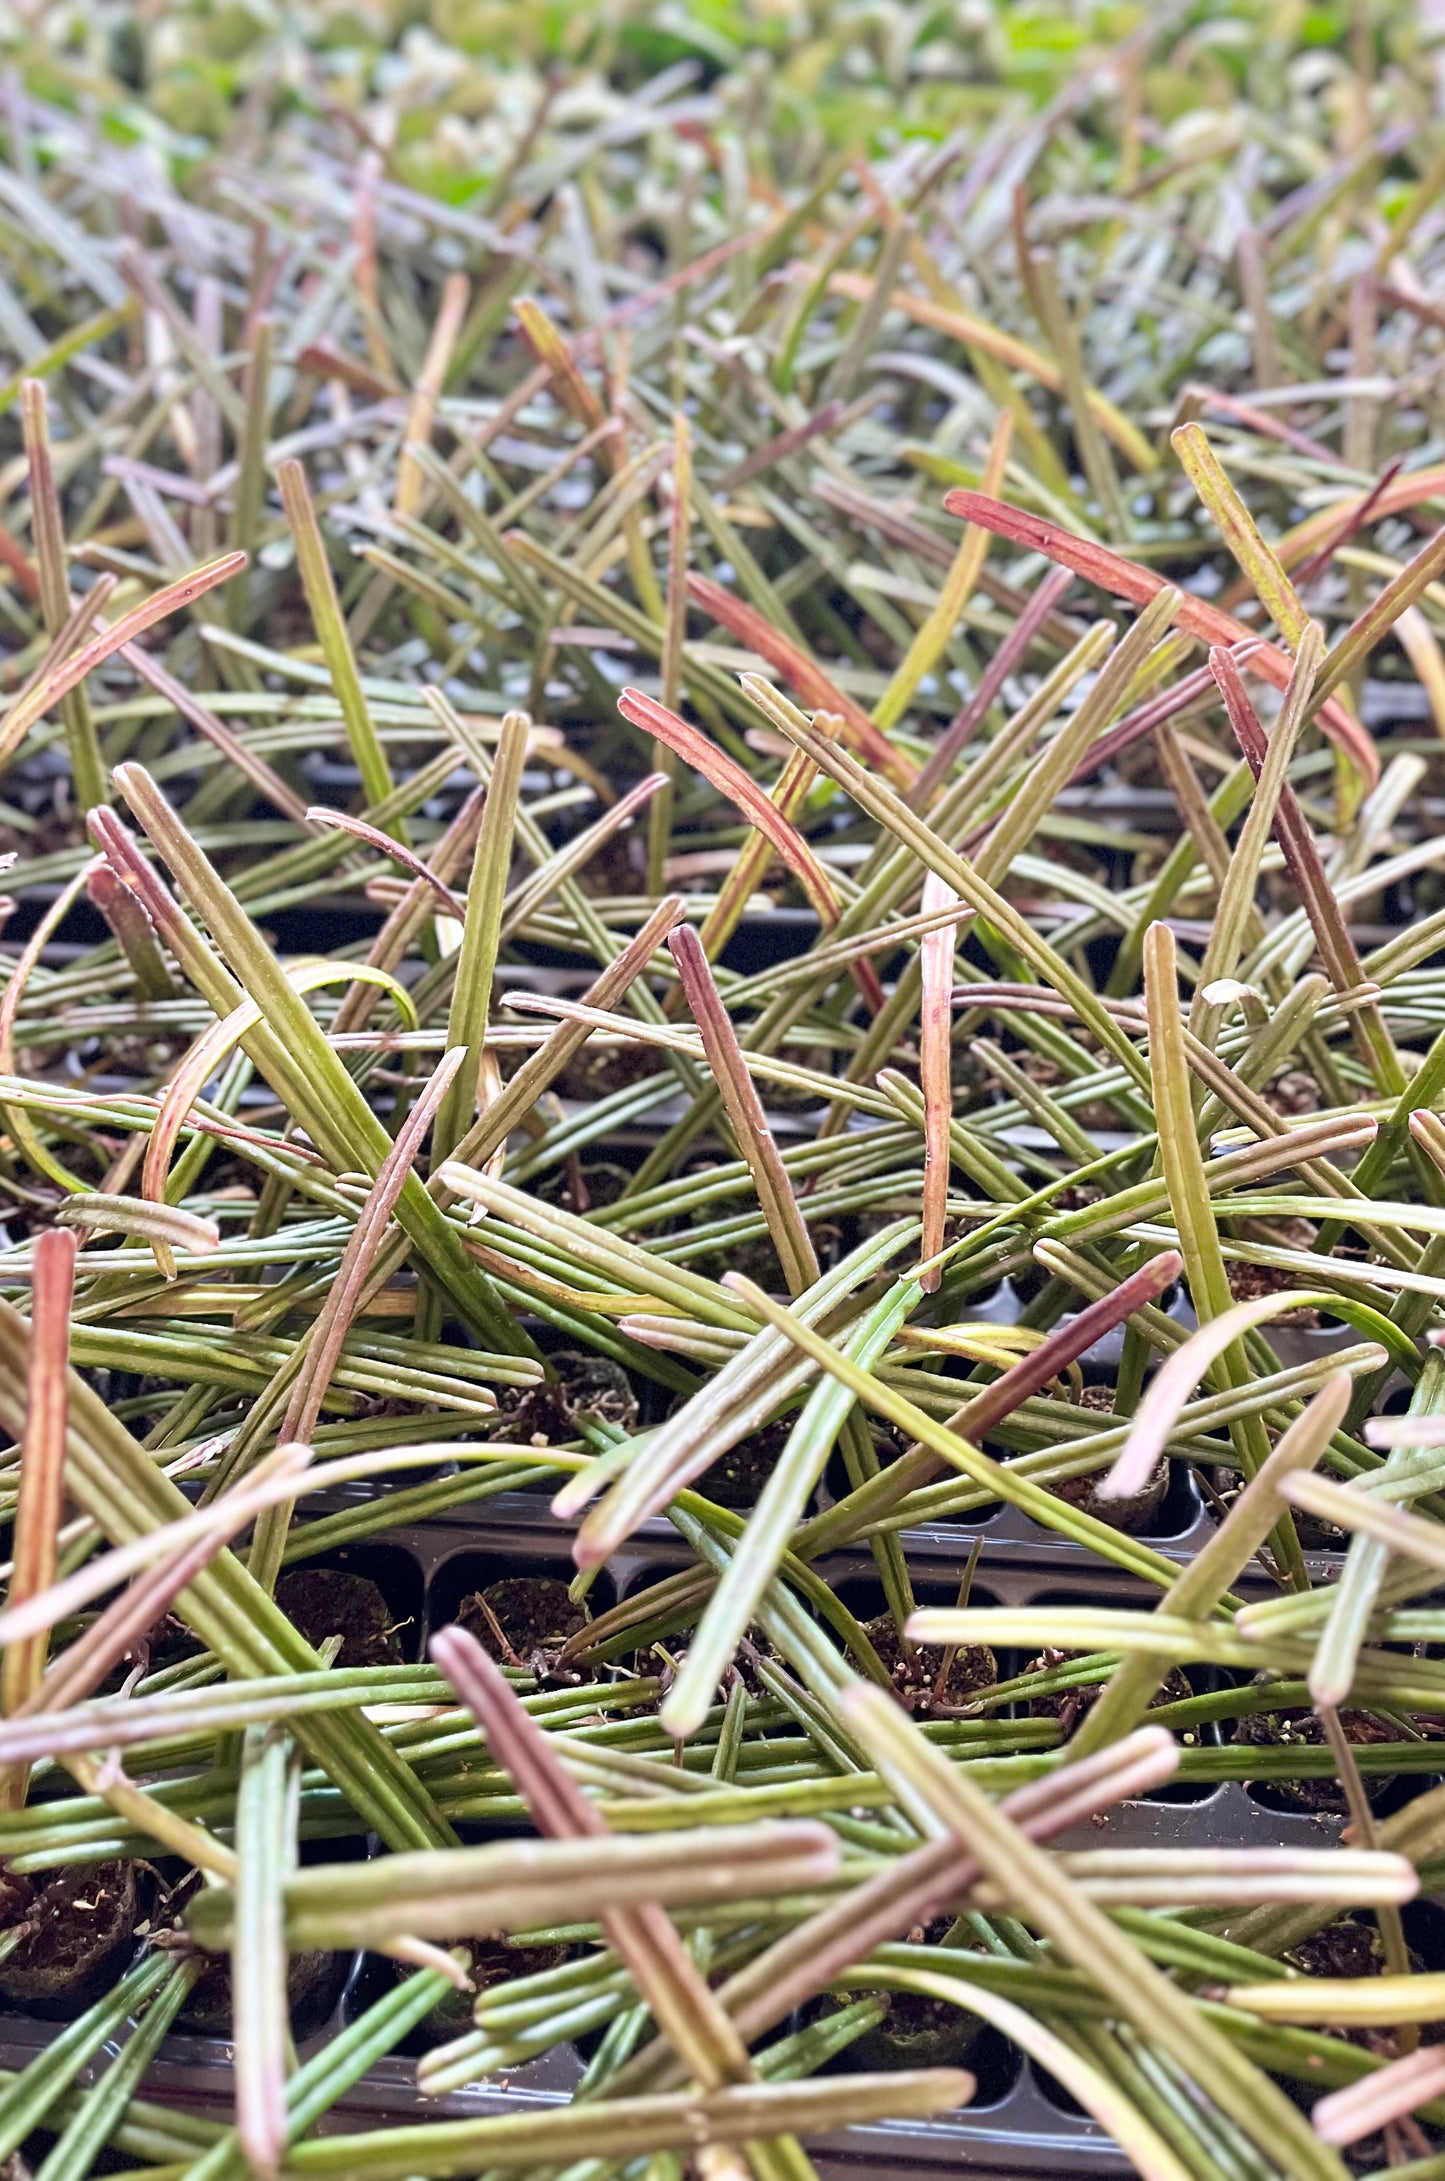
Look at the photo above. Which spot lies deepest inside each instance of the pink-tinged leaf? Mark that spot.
(812, 682)
(579, 852)
(1126, 579)
(988, 1409)
(1033, 1372)
(1373, 625)
(12, 556)
(1011, 652)
(936, 951)
(71, 672)
(1266, 424)
(744, 1110)
(331, 363)
(359, 1258)
(81, 1668)
(133, 933)
(490, 1131)
(740, 789)
(280, 1475)
(197, 1067)
(559, 1808)
(123, 853)
(1386, 1432)
(162, 1225)
(1428, 1131)
(184, 1088)
(1176, 1380)
(916, 1887)
(1359, 515)
(236, 752)
(790, 793)
(1338, 951)
(1154, 713)
(21, 1126)
(1390, 2094)
(1406, 1535)
(383, 843)
(42, 1471)
(683, 2005)
(1330, 525)
(778, 449)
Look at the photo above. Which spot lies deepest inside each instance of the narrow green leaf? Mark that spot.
(266, 1809)
(477, 962)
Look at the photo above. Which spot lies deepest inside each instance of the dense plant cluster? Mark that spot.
(722, 1058)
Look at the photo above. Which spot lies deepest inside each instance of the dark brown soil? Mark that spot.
(1317, 1535)
(1313, 1532)
(752, 1653)
(756, 1261)
(1247, 1282)
(76, 1929)
(323, 1602)
(917, 2031)
(523, 1620)
(1286, 1729)
(1344, 1949)
(1293, 1092)
(1352, 1948)
(1139, 1509)
(915, 1672)
(1079, 1197)
(619, 866)
(582, 1385)
(1069, 1705)
(312, 1980)
(737, 1477)
(598, 1070)
(167, 1642)
(493, 1962)
(577, 1188)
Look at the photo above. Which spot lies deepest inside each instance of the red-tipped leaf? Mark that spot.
(1126, 579)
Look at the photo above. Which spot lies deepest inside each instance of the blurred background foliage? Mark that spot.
(463, 77)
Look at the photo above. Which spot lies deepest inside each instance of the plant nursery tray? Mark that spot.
(1020, 2122)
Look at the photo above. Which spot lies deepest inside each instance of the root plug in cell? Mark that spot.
(1351, 1947)
(918, 2030)
(523, 1620)
(76, 1935)
(599, 1070)
(313, 1982)
(493, 1962)
(736, 1478)
(1295, 1729)
(1138, 1510)
(1068, 1705)
(580, 1386)
(326, 1602)
(1248, 1282)
(928, 1678)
